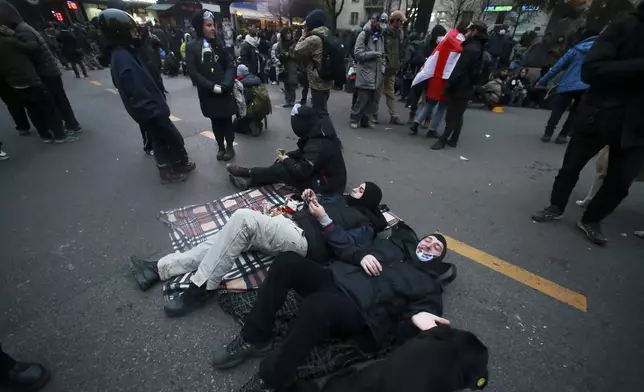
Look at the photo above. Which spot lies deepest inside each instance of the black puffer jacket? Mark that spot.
(614, 69)
(16, 67)
(403, 288)
(215, 68)
(460, 84)
(317, 163)
(43, 58)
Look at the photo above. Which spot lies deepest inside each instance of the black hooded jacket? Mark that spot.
(614, 69)
(442, 359)
(208, 69)
(465, 75)
(16, 66)
(42, 57)
(404, 287)
(317, 163)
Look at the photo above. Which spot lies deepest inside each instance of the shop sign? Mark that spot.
(72, 6)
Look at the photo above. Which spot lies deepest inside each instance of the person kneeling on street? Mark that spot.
(370, 291)
(317, 163)
(258, 103)
(142, 97)
(316, 232)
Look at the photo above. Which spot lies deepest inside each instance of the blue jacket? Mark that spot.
(141, 96)
(570, 64)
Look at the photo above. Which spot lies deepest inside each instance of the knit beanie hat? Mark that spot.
(242, 70)
(317, 18)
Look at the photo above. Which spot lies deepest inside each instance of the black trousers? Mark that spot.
(454, 119)
(405, 88)
(42, 111)
(147, 141)
(560, 103)
(273, 174)
(224, 131)
(14, 106)
(318, 101)
(79, 63)
(325, 311)
(598, 129)
(305, 90)
(6, 363)
(57, 92)
(166, 140)
(414, 95)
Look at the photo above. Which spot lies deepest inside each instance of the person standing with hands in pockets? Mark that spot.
(212, 70)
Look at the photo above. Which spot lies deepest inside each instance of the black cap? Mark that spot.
(116, 25)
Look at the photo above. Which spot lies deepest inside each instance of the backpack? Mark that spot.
(260, 104)
(332, 67)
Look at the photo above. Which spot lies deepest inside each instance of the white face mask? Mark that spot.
(424, 257)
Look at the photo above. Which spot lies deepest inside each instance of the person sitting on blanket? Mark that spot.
(326, 226)
(388, 287)
(316, 164)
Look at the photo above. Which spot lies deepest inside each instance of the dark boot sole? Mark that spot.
(591, 239)
(239, 361)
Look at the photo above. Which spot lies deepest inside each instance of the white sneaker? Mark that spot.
(3, 156)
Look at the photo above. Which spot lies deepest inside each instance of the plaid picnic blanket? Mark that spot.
(191, 225)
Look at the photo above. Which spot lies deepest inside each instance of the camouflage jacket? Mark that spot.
(309, 50)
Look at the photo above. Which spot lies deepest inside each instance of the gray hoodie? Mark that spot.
(370, 62)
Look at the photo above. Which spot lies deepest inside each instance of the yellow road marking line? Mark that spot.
(543, 285)
(210, 135)
(96, 83)
(112, 90)
(174, 118)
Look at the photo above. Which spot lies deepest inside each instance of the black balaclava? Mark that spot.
(442, 239)
(371, 197)
(304, 120)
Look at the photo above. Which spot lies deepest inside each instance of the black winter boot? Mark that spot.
(168, 175)
(191, 299)
(230, 153)
(145, 272)
(25, 376)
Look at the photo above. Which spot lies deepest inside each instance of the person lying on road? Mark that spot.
(372, 289)
(316, 232)
(316, 164)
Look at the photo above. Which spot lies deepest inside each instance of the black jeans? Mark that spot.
(624, 164)
(57, 92)
(224, 131)
(166, 140)
(324, 312)
(454, 119)
(318, 101)
(147, 141)
(414, 95)
(560, 103)
(14, 106)
(6, 363)
(42, 111)
(305, 90)
(82, 67)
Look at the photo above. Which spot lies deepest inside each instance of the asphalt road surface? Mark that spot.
(71, 215)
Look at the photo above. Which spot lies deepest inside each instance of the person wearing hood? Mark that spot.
(569, 89)
(251, 123)
(141, 95)
(250, 55)
(71, 49)
(44, 61)
(285, 53)
(371, 293)
(459, 88)
(309, 50)
(500, 48)
(328, 226)
(316, 164)
(212, 70)
(611, 115)
(369, 55)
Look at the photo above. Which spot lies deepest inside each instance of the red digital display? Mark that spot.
(72, 6)
(58, 16)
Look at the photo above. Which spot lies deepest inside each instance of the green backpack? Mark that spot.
(260, 105)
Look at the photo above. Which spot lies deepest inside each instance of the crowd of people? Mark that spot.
(353, 280)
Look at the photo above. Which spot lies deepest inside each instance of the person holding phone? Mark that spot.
(392, 288)
(317, 163)
(211, 68)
